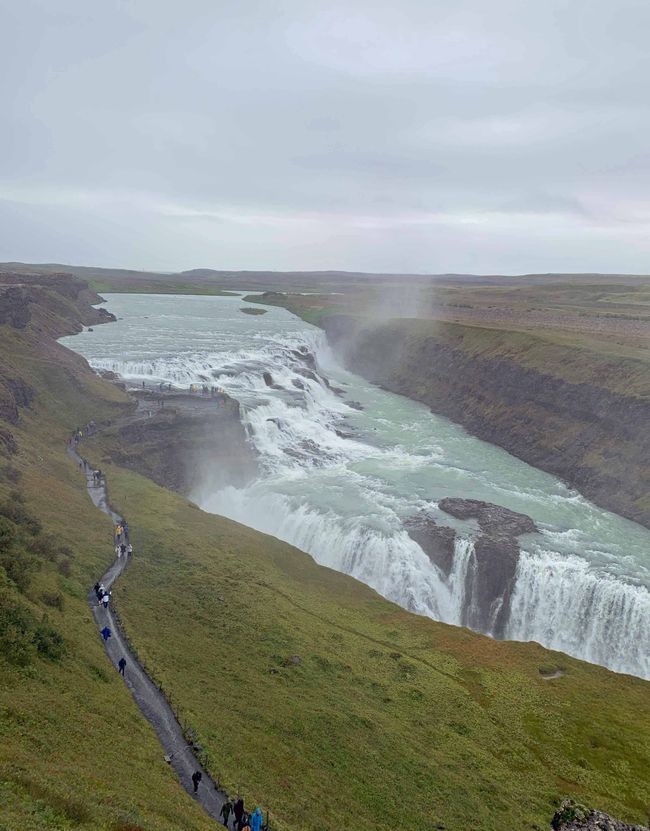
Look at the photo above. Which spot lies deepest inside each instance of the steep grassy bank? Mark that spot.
(75, 751)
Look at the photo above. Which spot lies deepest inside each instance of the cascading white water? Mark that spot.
(338, 481)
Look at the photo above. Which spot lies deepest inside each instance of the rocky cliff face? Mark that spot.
(592, 437)
(39, 308)
(492, 569)
(184, 442)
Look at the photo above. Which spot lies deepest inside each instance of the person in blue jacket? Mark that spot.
(256, 820)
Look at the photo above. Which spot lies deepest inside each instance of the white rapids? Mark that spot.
(343, 463)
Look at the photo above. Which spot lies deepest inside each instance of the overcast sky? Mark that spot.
(469, 136)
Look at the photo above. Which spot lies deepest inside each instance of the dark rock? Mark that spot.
(306, 356)
(298, 383)
(492, 519)
(437, 541)
(268, 379)
(356, 405)
(572, 816)
(342, 434)
(108, 374)
(307, 373)
(489, 584)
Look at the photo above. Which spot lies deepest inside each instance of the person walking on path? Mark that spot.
(106, 633)
(196, 778)
(106, 599)
(122, 666)
(238, 811)
(256, 820)
(226, 810)
(129, 549)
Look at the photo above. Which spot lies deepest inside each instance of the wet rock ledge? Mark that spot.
(491, 573)
(183, 441)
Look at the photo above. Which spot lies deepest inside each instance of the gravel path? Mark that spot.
(147, 696)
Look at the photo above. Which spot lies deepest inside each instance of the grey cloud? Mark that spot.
(421, 137)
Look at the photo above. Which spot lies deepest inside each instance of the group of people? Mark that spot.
(103, 596)
(242, 820)
(204, 389)
(80, 432)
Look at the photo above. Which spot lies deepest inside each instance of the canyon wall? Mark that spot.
(580, 416)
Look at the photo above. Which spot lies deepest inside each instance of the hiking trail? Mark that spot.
(148, 697)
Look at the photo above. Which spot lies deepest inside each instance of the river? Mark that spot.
(338, 481)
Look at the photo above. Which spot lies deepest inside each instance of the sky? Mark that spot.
(419, 136)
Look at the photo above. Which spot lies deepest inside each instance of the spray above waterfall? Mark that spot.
(345, 465)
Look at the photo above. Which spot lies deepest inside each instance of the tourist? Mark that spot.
(256, 820)
(105, 599)
(129, 549)
(121, 665)
(196, 778)
(123, 548)
(96, 588)
(238, 811)
(118, 550)
(106, 633)
(226, 810)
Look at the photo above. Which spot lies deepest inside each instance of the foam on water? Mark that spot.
(338, 482)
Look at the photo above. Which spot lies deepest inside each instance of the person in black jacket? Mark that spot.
(196, 778)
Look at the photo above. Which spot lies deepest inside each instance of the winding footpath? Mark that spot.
(147, 696)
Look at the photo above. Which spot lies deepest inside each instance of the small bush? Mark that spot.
(49, 641)
(22, 637)
(64, 567)
(54, 600)
(16, 632)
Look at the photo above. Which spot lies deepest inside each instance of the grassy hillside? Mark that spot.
(308, 691)
(384, 716)
(75, 751)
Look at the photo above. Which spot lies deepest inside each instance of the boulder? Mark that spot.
(574, 817)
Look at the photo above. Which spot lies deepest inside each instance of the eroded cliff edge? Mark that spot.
(578, 416)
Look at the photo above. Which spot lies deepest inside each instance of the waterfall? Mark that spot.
(339, 478)
(563, 605)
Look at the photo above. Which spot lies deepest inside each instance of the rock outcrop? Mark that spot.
(492, 519)
(492, 569)
(184, 442)
(574, 817)
(437, 541)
